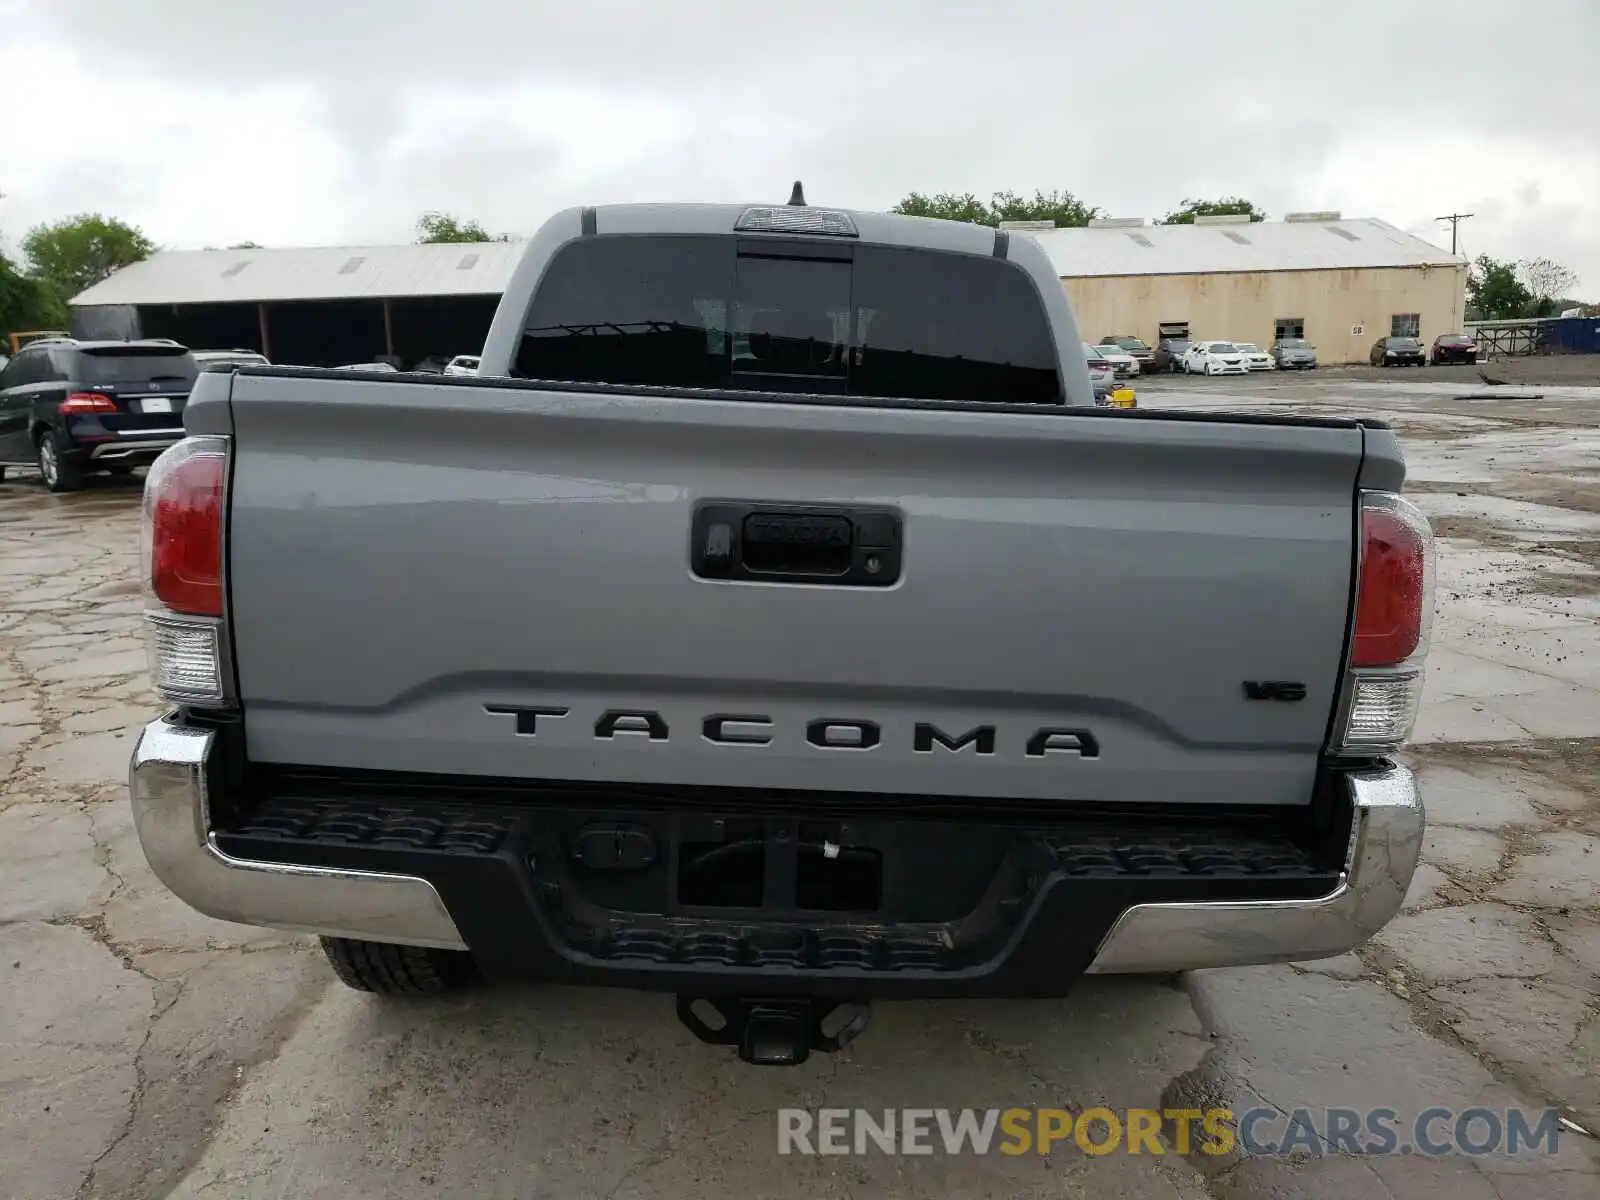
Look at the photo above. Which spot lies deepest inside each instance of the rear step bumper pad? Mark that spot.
(173, 772)
(1385, 840)
(170, 779)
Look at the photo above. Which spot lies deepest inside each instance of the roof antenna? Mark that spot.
(798, 196)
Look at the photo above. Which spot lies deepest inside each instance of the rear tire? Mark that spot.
(58, 474)
(386, 969)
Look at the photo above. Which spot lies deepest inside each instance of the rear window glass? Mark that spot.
(697, 312)
(136, 366)
(1403, 343)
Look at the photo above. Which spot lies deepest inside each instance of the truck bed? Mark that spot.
(497, 579)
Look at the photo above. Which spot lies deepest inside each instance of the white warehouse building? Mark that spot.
(1340, 283)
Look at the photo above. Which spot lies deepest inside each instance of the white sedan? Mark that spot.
(1214, 358)
(1255, 358)
(1123, 363)
(463, 364)
(1101, 374)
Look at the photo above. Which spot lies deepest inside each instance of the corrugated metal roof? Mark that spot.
(1219, 249)
(320, 273)
(484, 268)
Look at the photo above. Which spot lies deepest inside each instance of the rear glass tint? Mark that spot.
(693, 311)
(135, 366)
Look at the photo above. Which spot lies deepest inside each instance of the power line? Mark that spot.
(1455, 219)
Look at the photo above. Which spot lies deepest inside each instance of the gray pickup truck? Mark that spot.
(777, 623)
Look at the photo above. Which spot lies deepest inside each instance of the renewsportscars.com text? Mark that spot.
(1214, 1131)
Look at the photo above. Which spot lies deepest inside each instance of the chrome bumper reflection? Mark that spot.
(1385, 841)
(146, 447)
(168, 783)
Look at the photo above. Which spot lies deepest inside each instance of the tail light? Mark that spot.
(86, 402)
(181, 538)
(1393, 618)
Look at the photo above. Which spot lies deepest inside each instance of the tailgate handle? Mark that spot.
(836, 546)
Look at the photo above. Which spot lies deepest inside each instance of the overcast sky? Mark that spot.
(316, 122)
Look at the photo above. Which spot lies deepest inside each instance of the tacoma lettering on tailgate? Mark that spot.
(825, 733)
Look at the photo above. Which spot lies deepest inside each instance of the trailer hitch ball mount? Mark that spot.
(779, 1032)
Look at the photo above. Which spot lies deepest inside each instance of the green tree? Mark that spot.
(1063, 208)
(442, 227)
(946, 206)
(1546, 281)
(80, 251)
(1494, 292)
(1229, 207)
(27, 303)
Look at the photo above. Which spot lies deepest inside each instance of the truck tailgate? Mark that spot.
(480, 578)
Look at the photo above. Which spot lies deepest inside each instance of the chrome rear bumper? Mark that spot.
(169, 781)
(173, 771)
(1385, 840)
(143, 447)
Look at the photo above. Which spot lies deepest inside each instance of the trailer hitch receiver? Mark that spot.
(777, 1032)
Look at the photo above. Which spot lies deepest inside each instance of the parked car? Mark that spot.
(1454, 348)
(428, 721)
(229, 358)
(462, 364)
(16, 341)
(1102, 374)
(1397, 352)
(69, 407)
(1214, 358)
(1255, 359)
(1128, 344)
(1293, 354)
(1125, 364)
(1168, 354)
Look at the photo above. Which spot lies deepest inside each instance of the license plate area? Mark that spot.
(155, 404)
(778, 865)
(775, 866)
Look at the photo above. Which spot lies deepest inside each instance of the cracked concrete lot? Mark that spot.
(149, 1051)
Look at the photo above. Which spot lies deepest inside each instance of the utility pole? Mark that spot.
(1455, 219)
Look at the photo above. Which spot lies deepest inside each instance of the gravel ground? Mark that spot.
(147, 1051)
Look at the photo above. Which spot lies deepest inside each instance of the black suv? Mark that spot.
(70, 407)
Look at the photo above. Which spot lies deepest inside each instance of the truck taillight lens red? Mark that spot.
(1394, 613)
(182, 538)
(183, 502)
(1391, 603)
